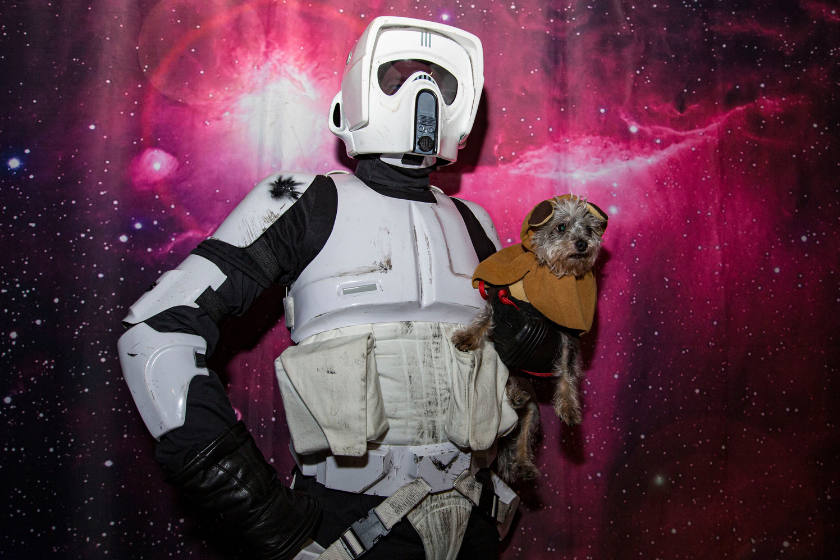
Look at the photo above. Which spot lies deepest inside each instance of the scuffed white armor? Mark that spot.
(394, 383)
(180, 286)
(158, 367)
(387, 260)
(260, 209)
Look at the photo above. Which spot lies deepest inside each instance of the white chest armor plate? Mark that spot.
(386, 260)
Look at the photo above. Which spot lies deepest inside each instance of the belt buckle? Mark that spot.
(363, 534)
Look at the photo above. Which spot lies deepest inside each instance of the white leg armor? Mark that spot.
(441, 520)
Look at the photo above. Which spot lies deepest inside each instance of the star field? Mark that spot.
(708, 131)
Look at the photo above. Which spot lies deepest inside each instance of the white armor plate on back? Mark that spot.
(387, 260)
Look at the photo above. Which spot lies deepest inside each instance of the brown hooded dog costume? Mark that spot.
(568, 301)
(536, 330)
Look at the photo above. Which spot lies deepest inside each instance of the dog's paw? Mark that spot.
(464, 342)
(568, 413)
(525, 471)
(517, 396)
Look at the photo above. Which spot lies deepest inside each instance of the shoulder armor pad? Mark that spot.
(262, 207)
(485, 220)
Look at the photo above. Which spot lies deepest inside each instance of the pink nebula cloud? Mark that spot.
(151, 167)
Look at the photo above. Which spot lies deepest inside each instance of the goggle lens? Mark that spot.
(393, 74)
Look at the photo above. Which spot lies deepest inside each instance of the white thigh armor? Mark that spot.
(386, 260)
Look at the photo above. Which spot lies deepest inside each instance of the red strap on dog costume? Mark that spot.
(504, 294)
(503, 297)
(547, 374)
(481, 289)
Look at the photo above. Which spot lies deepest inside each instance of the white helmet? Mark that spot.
(410, 88)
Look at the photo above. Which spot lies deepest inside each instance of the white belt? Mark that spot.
(386, 468)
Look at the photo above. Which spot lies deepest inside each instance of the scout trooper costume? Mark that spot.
(387, 418)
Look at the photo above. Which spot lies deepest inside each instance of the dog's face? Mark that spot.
(567, 235)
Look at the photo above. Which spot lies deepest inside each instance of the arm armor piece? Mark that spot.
(181, 286)
(260, 208)
(158, 368)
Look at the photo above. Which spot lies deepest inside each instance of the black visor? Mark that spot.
(393, 74)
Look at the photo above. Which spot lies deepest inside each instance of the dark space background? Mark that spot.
(707, 130)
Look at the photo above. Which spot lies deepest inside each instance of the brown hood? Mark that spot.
(567, 301)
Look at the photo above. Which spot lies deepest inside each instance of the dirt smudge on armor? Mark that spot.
(270, 217)
(285, 187)
(422, 374)
(429, 252)
(440, 465)
(436, 385)
(418, 260)
(384, 266)
(360, 270)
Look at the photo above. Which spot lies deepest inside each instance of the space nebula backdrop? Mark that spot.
(707, 130)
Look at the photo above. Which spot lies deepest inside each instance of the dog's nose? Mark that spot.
(580, 245)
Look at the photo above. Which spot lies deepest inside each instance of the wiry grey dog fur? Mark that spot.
(568, 244)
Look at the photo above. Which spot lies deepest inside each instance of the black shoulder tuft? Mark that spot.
(284, 187)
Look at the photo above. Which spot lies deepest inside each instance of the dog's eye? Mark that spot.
(589, 231)
(561, 228)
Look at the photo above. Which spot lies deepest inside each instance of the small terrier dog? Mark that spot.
(564, 237)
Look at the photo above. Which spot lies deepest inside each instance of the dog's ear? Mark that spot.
(599, 214)
(541, 214)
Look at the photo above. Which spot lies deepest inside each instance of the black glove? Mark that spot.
(524, 339)
(232, 478)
